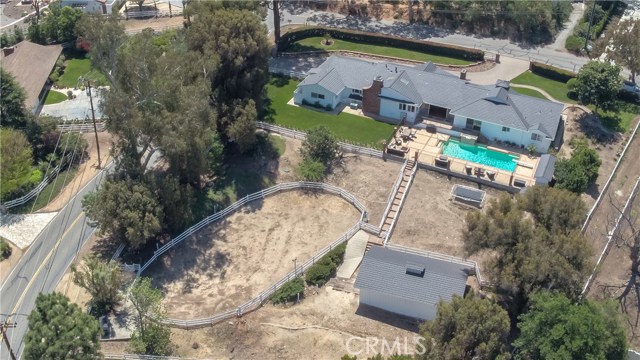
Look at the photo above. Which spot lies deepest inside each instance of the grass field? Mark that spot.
(48, 193)
(557, 89)
(314, 44)
(620, 120)
(529, 92)
(347, 127)
(54, 97)
(78, 65)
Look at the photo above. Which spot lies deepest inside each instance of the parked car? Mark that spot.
(631, 87)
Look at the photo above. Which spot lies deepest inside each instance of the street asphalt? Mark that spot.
(43, 265)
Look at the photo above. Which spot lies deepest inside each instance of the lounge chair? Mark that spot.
(468, 169)
(491, 175)
(479, 171)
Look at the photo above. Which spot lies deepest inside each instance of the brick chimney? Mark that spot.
(371, 97)
(8, 50)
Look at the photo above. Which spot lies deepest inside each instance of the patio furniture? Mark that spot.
(479, 171)
(442, 161)
(491, 175)
(405, 133)
(468, 169)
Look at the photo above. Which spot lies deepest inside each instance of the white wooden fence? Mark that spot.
(33, 193)
(345, 147)
(80, 127)
(264, 296)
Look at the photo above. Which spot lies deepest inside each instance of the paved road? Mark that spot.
(42, 266)
(543, 54)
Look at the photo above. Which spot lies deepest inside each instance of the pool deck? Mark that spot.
(428, 147)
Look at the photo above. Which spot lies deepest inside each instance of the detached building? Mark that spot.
(408, 284)
(425, 92)
(91, 6)
(31, 65)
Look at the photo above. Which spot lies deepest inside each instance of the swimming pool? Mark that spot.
(479, 154)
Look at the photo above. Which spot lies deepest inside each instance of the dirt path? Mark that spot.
(85, 172)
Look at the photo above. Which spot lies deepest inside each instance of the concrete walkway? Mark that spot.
(353, 254)
(507, 69)
(78, 108)
(22, 230)
(546, 94)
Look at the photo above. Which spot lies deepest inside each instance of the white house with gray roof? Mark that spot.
(416, 93)
(408, 284)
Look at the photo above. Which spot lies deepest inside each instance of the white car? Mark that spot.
(631, 87)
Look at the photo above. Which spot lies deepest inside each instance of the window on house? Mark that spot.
(402, 107)
(536, 137)
(474, 124)
(505, 129)
(411, 108)
(405, 107)
(356, 91)
(317, 96)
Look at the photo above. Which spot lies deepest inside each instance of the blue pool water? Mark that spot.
(479, 154)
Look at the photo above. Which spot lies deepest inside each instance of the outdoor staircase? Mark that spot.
(397, 200)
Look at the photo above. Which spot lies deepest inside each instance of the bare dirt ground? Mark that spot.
(615, 279)
(429, 220)
(7, 264)
(317, 328)
(227, 263)
(369, 179)
(162, 23)
(85, 172)
(608, 144)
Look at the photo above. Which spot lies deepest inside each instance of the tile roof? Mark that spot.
(426, 83)
(31, 65)
(393, 272)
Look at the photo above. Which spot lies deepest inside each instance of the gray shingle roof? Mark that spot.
(426, 83)
(385, 270)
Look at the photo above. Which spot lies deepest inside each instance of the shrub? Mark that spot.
(381, 39)
(288, 292)
(576, 173)
(319, 274)
(70, 94)
(325, 268)
(5, 249)
(551, 72)
(574, 44)
(54, 77)
(311, 170)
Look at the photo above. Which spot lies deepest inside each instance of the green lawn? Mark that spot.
(558, 90)
(314, 44)
(530, 92)
(346, 127)
(48, 193)
(620, 120)
(54, 97)
(78, 65)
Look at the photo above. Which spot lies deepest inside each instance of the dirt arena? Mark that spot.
(229, 262)
(429, 220)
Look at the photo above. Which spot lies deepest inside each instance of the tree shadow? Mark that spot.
(395, 320)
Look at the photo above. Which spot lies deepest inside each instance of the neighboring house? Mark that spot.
(415, 93)
(91, 6)
(408, 284)
(31, 65)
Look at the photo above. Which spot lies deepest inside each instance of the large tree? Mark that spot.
(12, 97)
(598, 83)
(622, 44)
(103, 36)
(15, 162)
(149, 338)
(60, 23)
(101, 279)
(126, 210)
(59, 329)
(319, 145)
(576, 173)
(523, 255)
(468, 328)
(557, 328)
(232, 49)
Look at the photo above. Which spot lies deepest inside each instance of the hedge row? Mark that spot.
(325, 268)
(551, 72)
(288, 292)
(458, 52)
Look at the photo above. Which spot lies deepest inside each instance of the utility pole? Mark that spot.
(586, 40)
(93, 116)
(6, 325)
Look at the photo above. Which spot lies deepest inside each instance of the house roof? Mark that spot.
(426, 83)
(398, 274)
(545, 169)
(31, 65)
